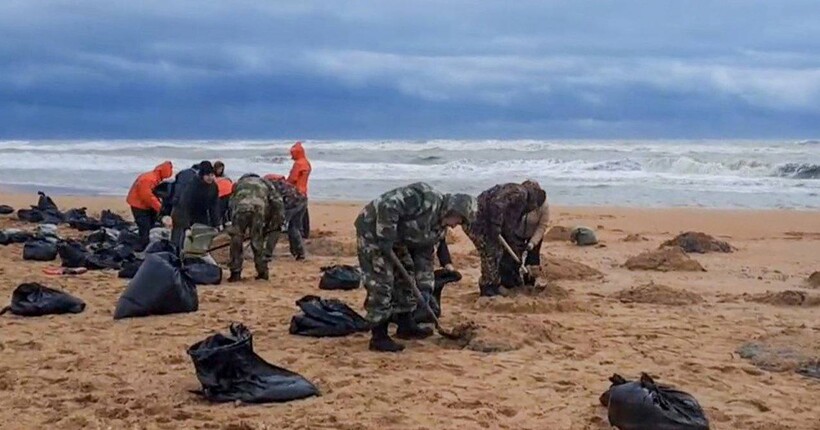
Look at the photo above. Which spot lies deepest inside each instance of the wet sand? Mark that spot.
(539, 361)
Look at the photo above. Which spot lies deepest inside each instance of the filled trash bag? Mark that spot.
(326, 318)
(583, 236)
(129, 238)
(643, 405)
(6, 210)
(14, 235)
(129, 269)
(72, 254)
(229, 371)
(30, 215)
(40, 250)
(202, 272)
(340, 277)
(32, 299)
(109, 219)
(45, 203)
(159, 287)
(443, 277)
(161, 246)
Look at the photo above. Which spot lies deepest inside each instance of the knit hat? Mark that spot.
(206, 168)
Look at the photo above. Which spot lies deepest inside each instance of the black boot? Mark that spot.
(488, 290)
(382, 342)
(235, 277)
(262, 276)
(408, 329)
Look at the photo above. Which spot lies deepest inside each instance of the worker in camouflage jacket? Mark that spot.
(295, 209)
(257, 211)
(408, 221)
(502, 210)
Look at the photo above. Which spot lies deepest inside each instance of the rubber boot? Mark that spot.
(382, 342)
(488, 290)
(408, 329)
(235, 277)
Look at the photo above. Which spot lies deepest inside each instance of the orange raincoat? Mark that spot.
(301, 168)
(225, 186)
(141, 195)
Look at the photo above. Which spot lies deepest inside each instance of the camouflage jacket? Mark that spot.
(409, 216)
(256, 194)
(501, 209)
(290, 195)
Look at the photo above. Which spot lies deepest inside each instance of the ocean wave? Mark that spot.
(798, 171)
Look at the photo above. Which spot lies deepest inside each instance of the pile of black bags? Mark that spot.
(14, 235)
(340, 277)
(229, 370)
(160, 287)
(644, 405)
(326, 318)
(33, 299)
(46, 211)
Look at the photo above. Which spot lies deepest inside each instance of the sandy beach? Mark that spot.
(540, 361)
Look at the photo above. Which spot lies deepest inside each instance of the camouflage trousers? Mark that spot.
(490, 253)
(388, 293)
(251, 223)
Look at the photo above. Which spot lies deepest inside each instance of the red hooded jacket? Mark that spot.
(301, 168)
(141, 195)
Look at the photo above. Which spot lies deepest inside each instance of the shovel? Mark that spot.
(461, 332)
(523, 270)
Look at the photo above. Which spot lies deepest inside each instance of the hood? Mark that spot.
(536, 196)
(165, 170)
(297, 151)
(464, 205)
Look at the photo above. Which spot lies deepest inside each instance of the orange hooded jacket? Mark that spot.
(141, 195)
(225, 186)
(301, 168)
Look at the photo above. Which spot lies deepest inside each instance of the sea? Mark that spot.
(639, 173)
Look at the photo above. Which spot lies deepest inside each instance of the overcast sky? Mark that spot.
(409, 69)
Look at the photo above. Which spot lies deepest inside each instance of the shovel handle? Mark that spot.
(508, 249)
(400, 267)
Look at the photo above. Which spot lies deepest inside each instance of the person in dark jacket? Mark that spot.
(295, 208)
(179, 214)
(198, 204)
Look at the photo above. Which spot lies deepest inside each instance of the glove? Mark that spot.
(449, 268)
(530, 246)
(166, 222)
(386, 248)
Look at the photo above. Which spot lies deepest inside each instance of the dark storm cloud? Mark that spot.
(409, 69)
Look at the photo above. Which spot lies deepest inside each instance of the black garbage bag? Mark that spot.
(202, 272)
(109, 219)
(340, 277)
(85, 224)
(39, 250)
(30, 215)
(104, 259)
(6, 210)
(442, 277)
(72, 254)
(229, 371)
(45, 203)
(127, 237)
(326, 318)
(7, 237)
(129, 269)
(32, 299)
(104, 236)
(159, 287)
(75, 214)
(52, 216)
(643, 405)
(163, 245)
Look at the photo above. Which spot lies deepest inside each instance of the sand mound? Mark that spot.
(814, 280)
(796, 350)
(562, 268)
(785, 298)
(546, 299)
(634, 238)
(497, 338)
(700, 243)
(658, 294)
(558, 234)
(325, 247)
(664, 260)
